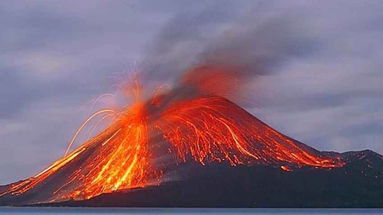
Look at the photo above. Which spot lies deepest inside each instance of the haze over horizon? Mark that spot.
(325, 88)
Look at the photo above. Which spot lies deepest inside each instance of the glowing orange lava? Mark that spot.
(214, 129)
(116, 159)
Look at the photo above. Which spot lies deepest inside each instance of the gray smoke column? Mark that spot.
(248, 44)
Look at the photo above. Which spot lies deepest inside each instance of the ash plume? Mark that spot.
(248, 44)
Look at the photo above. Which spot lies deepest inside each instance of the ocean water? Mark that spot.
(189, 211)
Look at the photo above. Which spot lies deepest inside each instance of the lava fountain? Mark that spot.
(194, 121)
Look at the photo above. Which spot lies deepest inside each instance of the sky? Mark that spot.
(319, 66)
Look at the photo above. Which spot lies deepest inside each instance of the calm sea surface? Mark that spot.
(159, 211)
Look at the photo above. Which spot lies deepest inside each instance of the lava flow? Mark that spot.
(193, 121)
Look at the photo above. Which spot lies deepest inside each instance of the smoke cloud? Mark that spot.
(243, 47)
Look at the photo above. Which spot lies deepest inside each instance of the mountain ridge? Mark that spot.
(219, 185)
(230, 142)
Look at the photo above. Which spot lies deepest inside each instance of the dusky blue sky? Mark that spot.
(323, 85)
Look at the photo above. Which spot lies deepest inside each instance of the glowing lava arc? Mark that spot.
(116, 159)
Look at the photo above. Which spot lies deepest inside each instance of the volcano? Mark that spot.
(190, 147)
(269, 165)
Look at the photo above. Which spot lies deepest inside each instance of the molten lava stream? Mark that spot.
(120, 162)
(116, 159)
(214, 129)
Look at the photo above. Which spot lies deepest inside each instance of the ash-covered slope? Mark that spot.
(357, 184)
(210, 131)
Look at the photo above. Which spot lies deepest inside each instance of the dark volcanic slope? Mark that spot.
(205, 129)
(358, 184)
(235, 136)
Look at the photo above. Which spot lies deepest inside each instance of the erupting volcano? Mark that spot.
(193, 122)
